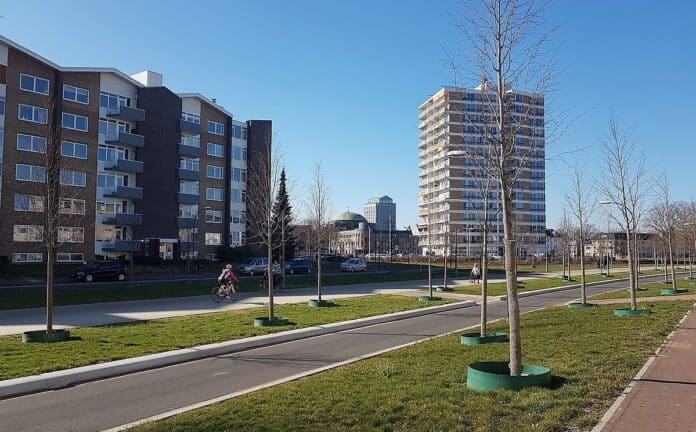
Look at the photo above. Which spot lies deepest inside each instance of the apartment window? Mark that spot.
(112, 127)
(110, 180)
(73, 150)
(191, 140)
(72, 206)
(73, 178)
(215, 150)
(187, 235)
(214, 172)
(31, 143)
(2, 105)
(111, 153)
(239, 175)
(213, 194)
(237, 153)
(75, 122)
(33, 84)
(75, 94)
(216, 128)
(213, 239)
(104, 233)
(112, 101)
(238, 216)
(109, 208)
(30, 173)
(27, 233)
(189, 211)
(188, 187)
(28, 257)
(237, 196)
(28, 203)
(190, 164)
(213, 216)
(71, 234)
(69, 257)
(237, 238)
(190, 117)
(31, 113)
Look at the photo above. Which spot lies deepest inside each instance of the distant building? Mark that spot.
(381, 212)
(354, 235)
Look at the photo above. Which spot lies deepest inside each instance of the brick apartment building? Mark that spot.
(143, 169)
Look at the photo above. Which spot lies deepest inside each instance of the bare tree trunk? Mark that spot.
(444, 254)
(631, 275)
(49, 289)
(484, 288)
(671, 262)
(318, 267)
(664, 261)
(583, 292)
(271, 307)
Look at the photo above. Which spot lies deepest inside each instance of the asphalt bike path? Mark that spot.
(110, 403)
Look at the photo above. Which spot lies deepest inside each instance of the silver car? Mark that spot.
(253, 266)
(353, 265)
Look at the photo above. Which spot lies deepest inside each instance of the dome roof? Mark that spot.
(349, 217)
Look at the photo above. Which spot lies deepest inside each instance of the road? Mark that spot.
(121, 400)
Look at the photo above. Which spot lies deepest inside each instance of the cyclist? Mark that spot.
(226, 278)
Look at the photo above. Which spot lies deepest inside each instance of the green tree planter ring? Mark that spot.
(486, 376)
(672, 291)
(428, 298)
(627, 312)
(314, 303)
(42, 336)
(476, 338)
(444, 289)
(265, 322)
(580, 305)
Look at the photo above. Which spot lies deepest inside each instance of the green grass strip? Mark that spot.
(653, 290)
(113, 342)
(592, 354)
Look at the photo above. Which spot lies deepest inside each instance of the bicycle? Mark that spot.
(278, 283)
(223, 291)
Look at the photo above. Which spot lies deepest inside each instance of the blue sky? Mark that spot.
(342, 81)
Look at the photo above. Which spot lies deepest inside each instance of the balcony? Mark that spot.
(125, 165)
(124, 219)
(186, 174)
(126, 139)
(127, 113)
(189, 151)
(190, 128)
(122, 246)
(184, 198)
(186, 222)
(126, 192)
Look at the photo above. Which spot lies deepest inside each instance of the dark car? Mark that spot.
(101, 270)
(298, 266)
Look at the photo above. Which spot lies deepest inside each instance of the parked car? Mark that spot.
(298, 265)
(254, 266)
(495, 257)
(353, 265)
(101, 270)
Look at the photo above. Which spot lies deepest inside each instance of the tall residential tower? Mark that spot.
(381, 212)
(452, 130)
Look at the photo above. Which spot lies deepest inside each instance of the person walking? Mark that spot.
(475, 273)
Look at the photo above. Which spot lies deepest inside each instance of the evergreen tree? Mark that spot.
(282, 220)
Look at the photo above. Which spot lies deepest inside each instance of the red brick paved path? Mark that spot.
(664, 398)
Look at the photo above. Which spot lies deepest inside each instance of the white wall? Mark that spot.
(191, 105)
(3, 55)
(112, 83)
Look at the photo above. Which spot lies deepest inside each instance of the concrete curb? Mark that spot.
(622, 397)
(569, 287)
(69, 377)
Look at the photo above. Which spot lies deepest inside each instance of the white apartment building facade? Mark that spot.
(453, 125)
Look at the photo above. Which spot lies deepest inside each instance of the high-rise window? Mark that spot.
(188, 187)
(29, 203)
(27, 233)
(213, 194)
(191, 140)
(33, 84)
(2, 105)
(215, 150)
(112, 101)
(71, 234)
(190, 117)
(213, 239)
(189, 211)
(214, 172)
(69, 257)
(216, 128)
(75, 122)
(239, 175)
(72, 206)
(31, 143)
(75, 94)
(73, 150)
(112, 127)
(213, 216)
(30, 173)
(32, 114)
(27, 257)
(191, 164)
(73, 178)
(111, 180)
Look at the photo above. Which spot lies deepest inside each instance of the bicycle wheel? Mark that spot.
(218, 294)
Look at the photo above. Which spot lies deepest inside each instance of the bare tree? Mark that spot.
(663, 219)
(565, 233)
(625, 187)
(507, 40)
(582, 203)
(319, 207)
(262, 189)
(686, 217)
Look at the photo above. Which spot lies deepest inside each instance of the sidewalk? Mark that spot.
(664, 395)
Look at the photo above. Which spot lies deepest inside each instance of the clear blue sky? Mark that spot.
(342, 80)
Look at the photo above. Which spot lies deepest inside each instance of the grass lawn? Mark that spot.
(498, 288)
(91, 345)
(20, 298)
(653, 290)
(423, 387)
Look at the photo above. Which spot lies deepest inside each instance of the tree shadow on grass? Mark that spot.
(558, 382)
